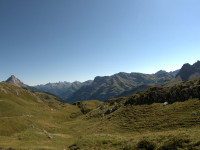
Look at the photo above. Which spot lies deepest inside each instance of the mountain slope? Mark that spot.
(27, 118)
(134, 90)
(111, 86)
(188, 71)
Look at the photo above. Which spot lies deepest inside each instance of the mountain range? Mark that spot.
(118, 85)
(107, 87)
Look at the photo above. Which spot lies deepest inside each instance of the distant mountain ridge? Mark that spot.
(62, 89)
(174, 73)
(107, 87)
(101, 88)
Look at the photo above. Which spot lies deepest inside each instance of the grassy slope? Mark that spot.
(23, 115)
(125, 127)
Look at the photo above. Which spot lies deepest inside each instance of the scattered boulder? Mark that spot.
(165, 103)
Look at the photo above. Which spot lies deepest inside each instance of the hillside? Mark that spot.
(107, 87)
(27, 118)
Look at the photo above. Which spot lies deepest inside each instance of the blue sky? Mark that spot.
(66, 40)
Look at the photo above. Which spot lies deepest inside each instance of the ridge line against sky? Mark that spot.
(66, 40)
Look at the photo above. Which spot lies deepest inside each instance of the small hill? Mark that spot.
(107, 87)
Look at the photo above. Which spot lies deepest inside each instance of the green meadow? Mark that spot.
(40, 121)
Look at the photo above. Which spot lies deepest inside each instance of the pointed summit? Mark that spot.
(15, 81)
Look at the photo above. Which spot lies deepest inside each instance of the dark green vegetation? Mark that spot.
(40, 121)
(180, 92)
(107, 87)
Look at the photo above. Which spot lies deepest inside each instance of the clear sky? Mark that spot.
(66, 40)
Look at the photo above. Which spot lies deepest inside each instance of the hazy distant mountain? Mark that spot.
(62, 89)
(73, 88)
(111, 86)
(188, 71)
(174, 73)
(54, 88)
(15, 81)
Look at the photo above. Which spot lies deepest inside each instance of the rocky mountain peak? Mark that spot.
(12, 78)
(188, 71)
(163, 73)
(15, 81)
(197, 65)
